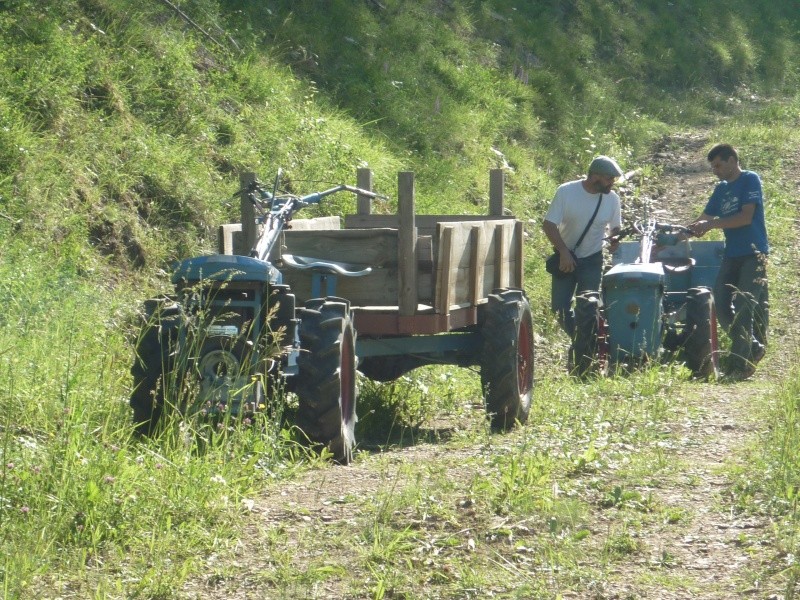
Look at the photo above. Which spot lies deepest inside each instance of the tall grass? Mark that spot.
(77, 489)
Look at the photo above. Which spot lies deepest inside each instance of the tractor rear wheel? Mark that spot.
(153, 362)
(701, 346)
(585, 352)
(507, 358)
(326, 386)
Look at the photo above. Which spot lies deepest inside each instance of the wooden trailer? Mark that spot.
(423, 289)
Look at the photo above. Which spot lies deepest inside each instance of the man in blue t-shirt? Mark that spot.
(741, 293)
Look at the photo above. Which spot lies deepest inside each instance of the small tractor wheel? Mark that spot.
(507, 358)
(326, 386)
(585, 352)
(701, 346)
(152, 364)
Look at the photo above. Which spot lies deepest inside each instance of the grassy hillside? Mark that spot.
(124, 125)
(136, 117)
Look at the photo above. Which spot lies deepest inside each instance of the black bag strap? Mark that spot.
(589, 224)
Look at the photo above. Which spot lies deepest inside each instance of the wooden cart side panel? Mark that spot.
(426, 224)
(366, 247)
(376, 248)
(231, 241)
(473, 258)
(317, 223)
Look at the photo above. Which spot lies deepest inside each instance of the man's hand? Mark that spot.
(566, 263)
(701, 227)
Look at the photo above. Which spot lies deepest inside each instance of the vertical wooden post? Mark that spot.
(496, 192)
(519, 238)
(364, 181)
(476, 264)
(407, 238)
(249, 227)
(501, 242)
(445, 275)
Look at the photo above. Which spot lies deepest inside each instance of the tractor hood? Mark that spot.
(634, 275)
(225, 267)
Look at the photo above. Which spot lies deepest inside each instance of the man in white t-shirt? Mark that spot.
(581, 259)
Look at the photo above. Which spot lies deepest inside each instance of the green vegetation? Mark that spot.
(123, 127)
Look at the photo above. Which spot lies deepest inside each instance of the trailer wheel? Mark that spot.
(701, 347)
(152, 364)
(507, 358)
(587, 352)
(326, 382)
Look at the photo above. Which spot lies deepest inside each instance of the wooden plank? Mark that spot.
(518, 262)
(249, 226)
(368, 247)
(407, 268)
(501, 256)
(476, 264)
(318, 223)
(445, 271)
(378, 248)
(226, 237)
(426, 224)
(364, 181)
(478, 268)
(496, 192)
(424, 255)
(379, 288)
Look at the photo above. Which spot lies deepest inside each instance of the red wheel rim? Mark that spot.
(602, 341)
(525, 358)
(714, 339)
(347, 375)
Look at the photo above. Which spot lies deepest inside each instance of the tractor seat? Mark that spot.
(676, 264)
(677, 273)
(328, 267)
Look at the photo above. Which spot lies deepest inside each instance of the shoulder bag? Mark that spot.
(553, 261)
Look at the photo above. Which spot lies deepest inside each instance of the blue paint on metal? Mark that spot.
(632, 296)
(418, 344)
(225, 267)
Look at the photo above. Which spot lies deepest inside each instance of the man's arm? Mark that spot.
(706, 222)
(566, 263)
(614, 243)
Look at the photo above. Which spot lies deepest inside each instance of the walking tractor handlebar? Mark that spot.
(650, 233)
(276, 210)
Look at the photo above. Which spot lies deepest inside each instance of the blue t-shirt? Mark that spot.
(728, 199)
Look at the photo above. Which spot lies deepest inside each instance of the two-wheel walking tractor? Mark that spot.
(299, 306)
(655, 302)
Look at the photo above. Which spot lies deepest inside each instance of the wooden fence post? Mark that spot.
(496, 192)
(249, 227)
(407, 237)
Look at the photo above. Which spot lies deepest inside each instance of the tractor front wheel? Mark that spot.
(326, 386)
(588, 352)
(701, 346)
(507, 358)
(153, 363)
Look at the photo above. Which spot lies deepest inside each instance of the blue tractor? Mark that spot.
(655, 303)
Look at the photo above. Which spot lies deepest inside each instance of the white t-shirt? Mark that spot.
(571, 209)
